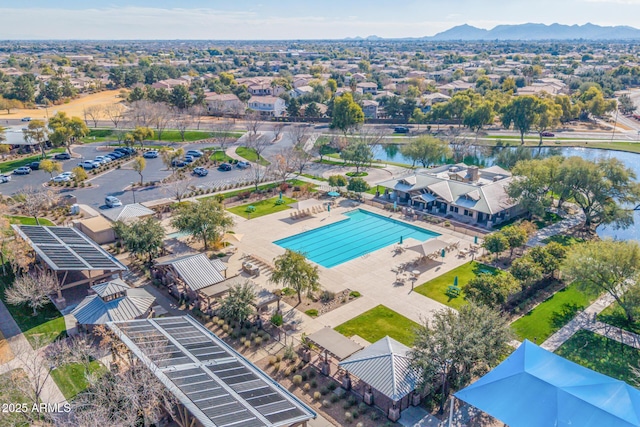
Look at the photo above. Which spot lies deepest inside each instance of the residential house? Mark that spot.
(370, 109)
(367, 87)
(225, 103)
(268, 106)
(455, 86)
(169, 84)
(297, 92)
(260, 89)
(465, 193)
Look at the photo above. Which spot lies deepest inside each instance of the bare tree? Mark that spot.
(161, 116)
(259, 174)
(252, 124)
(182, 122)
(33, 200)
(277, 130)
(179, 188)
(299, 134)
(461, 146)
(32, 289)
(19, 254)
(141, 113)
(197, 112)
(223, 133)
(300, 159)
(93, 112)
(115, 113)
(257, 144)
(283, 166)
(169, 156)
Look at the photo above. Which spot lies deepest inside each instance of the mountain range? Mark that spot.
(531, 31)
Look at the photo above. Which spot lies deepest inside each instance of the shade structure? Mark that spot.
(333, 194)
(429, 247)
(334, 342)
(305, 204)
(534, 387)
(232, 237)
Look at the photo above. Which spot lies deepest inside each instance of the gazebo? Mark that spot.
(334, 343)
(389, 380)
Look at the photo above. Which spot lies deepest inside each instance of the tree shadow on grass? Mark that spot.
(564, 315)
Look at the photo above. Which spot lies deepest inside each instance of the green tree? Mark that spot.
(312, 111)
(478, 116)
(180, 97)
(357, 185)
(36, 132)
(140, 134)
(50, 167)
(66, 129)
(464, 345)
(142, 237)
(516, 236)
(526, 270)
(569, 110)
(168, 156)
(238, 304)
(337, 181)
(293, 271)
(536, 179)
(492, 290)
(358, 153)
(548, 116)
(609, 266)
(207, 220)
(592, 102)
(139, 163)
(625, 104)
(522, 113)
(426, 150)
(293, 108)
(495, 243)
(347, 114)
(79, 174)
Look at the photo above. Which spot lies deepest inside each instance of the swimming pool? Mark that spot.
(361, 233)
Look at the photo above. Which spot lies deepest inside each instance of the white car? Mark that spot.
(69, 174)
(5, 178)
(61, 178)
(103, 159)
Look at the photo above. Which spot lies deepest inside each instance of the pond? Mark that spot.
(486, 157)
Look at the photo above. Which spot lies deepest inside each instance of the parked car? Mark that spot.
(103, 159)
(225, 167)
(5, 178)
(548, 134)
(61, 178)
(401, 129)
(69, 174)
(127, 151)
(194, 153)
(62, 156)
(111, 156)
(243, 165)
(200, 171)
(89, 164)
(116, 155)
(22, 170)
(112, 202)
(188, 159)
(34, 165)
(152, 154)
(178, 163)
(26, 119)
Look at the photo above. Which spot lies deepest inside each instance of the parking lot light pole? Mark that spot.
(133, 191)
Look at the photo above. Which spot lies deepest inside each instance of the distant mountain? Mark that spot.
(538, 32)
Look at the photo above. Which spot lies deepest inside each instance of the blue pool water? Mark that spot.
(361, 233)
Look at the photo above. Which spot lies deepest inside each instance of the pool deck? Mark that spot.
(370, 274)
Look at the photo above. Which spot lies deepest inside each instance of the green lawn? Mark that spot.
(260, 187)
(263, 207)
(601, 354)
(436, 288)
(379, 322)
(28, 220)
(563, 240)
(48, 323)
(103, 135)
(614, 315)
(71, 378)
(552, 314)
(250, 155)
(220, 156)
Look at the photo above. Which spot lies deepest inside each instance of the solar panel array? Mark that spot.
(66, 248)
(224, 387)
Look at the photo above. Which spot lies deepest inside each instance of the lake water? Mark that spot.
(486, 157)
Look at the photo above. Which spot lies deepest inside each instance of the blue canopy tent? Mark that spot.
(535, 388)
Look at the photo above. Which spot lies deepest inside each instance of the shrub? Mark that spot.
(247, 344)
(220, 322)
(374, 415)
(276, 366)
(280, 202)
(289, 353)
(324, 391)
(326, 404)
(257, 341)
(360, 425)
(272, 360)
(348, 417)
(297, 380)
(312, 373)
(314, 383)
(304, 375)
(332, 386)
(327, 296)
(362, 407)
(276, 319)
(316, 395)
(287, 371)
(334, 398)
(306, 387)
(311, 312)
(355, 294)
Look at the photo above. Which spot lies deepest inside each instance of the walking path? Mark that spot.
(26, 357)
(584, 320)
(570, 222)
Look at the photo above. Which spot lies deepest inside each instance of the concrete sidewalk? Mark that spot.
(570, 222)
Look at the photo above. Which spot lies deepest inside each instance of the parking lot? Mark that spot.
(116, 182)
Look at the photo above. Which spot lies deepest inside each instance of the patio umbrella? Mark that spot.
(232, 237)
(333, 194)
(443, 253)
(475, 240)
(280, 195)
(455, 281)
(400, 239)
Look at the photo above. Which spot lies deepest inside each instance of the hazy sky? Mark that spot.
(289, 19)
